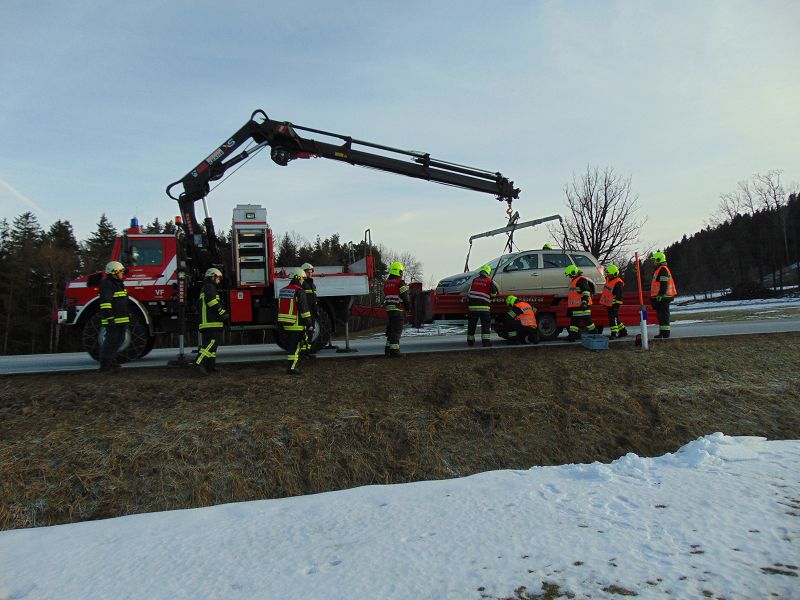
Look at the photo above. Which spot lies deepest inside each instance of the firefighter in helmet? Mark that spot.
(213, 318)
(520, 322)
(396, 302)
(611, 298)
(479, 299)
(579, 299)
(114, 318)
(662, 291)
(294, 317)
(310, 289)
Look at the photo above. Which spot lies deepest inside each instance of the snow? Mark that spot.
(679, 306)
(718, 518)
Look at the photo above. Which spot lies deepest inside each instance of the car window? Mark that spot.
(582, 261)
(523, 262)
(555, 261)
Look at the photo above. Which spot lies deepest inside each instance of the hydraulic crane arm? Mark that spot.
(286, 145)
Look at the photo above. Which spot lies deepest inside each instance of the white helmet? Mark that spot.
(212, 272)
(307, 266)
(297, 273)
(114, 266)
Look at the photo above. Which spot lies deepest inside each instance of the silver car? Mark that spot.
(531, 272)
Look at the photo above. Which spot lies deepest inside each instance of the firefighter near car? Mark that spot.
(166, 271)
(612, 298)
(519, 322)
(310, 290)
(579, 301)
(479, 298)
(662, 292)
(396, 301)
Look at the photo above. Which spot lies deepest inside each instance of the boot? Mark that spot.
(662, 335)
(386, 351)
(470, 343)
(296, 371)
(622, 333)
(486, 343)
(105, 366)
(613, 335)
(200, 370)
(573, 336)
(395, 354)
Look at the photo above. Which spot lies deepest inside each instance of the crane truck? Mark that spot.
(164, 272)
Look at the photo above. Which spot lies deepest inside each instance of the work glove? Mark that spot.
(659, 298)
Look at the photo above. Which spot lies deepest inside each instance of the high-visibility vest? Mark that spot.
(288, 315)
(528, 315)
(607, 297)
(575, 295)
(480, 293)
(655, 285)
(392, 294)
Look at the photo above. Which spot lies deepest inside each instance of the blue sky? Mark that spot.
(105, 104)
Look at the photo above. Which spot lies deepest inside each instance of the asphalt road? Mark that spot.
(411, 343)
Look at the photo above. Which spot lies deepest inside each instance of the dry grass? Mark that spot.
(76, 446)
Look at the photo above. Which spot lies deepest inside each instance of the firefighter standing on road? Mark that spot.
(520, 322)
(611, 298)
(114, 316)
(294, 317)
(579, 299)
(479, 297)
(396, 302)
(310, 289)
(213, 317)
(662, 291)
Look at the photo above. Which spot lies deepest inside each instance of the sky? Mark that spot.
(716, 519)
(104, 105)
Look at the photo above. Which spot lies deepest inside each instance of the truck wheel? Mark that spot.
(548, 330)
(137, 343)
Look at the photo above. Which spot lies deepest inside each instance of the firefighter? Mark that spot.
(310, 289)
(213, 317)
(479, 298)
(114, 317)
(520, 322)
(579, 299)
(662, 291)
(294, 317)
(396, 302)
(611, 298)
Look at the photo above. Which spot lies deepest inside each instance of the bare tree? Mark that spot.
(602, 215)
(773, 197)
(413, 267)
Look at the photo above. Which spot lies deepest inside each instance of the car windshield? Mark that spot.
(582, 261)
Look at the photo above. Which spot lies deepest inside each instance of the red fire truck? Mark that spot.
(164, 272)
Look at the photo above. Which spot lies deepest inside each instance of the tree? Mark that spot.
(97, 249)
(412, 265)
(602, 215)
(22, 283)
(60, 263)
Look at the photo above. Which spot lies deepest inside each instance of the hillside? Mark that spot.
(81, 446)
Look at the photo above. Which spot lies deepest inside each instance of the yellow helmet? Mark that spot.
(396, 268)
(658, 257)
(486, 269)
(612, 270)
(511, 300)
(571, 271)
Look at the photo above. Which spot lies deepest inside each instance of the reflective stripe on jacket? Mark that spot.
(579, 292)
(113, 302)
(663, 284)
(211, 309)
(395, 294)
(481, 292)
(608, 297)
(293, 311)
(527, 316)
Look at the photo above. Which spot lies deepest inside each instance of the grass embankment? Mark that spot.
(80, 446)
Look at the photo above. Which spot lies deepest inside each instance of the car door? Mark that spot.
(520, 276)
(552, 273)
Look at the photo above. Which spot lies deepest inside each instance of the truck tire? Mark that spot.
(548, 329)
(137, 343)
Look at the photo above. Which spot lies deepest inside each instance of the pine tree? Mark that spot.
(97, 249)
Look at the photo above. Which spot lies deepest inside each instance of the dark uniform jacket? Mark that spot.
(113, 302)
(212, 314)
(310, 288)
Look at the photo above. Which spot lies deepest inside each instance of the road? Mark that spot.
(411, 343)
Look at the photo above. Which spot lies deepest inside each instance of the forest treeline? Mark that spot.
(753, 244)
(38, 263)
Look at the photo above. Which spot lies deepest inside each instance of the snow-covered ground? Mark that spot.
(720, 518)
